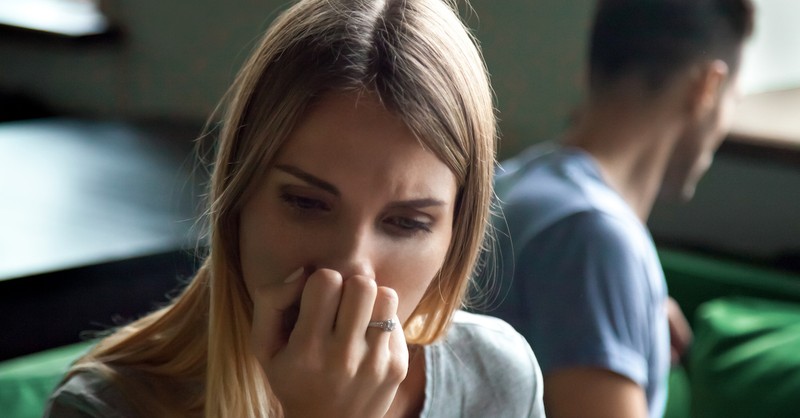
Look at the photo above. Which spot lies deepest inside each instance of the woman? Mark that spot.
(348, 204)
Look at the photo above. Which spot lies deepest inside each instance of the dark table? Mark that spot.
(98, 222)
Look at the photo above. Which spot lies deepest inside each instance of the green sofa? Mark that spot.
(26, 382)
(745, 361)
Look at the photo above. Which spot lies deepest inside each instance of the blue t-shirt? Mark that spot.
(580, 276)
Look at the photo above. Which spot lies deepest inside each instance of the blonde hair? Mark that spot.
(423, 64)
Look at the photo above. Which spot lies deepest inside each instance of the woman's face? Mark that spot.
(354, 191)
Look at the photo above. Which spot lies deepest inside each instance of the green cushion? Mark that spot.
(679, 397)
(26, 382)
(745, 361)
(695, 278)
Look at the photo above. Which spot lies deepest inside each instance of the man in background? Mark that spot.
(581, 277)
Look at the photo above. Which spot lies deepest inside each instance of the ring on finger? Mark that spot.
(387, 325)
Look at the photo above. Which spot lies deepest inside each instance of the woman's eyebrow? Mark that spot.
(309, 178)
(417, 203)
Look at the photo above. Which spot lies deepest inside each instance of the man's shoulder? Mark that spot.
(546, 160)
(546, 184)
(551, 172)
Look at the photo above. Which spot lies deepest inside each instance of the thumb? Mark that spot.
(275, 309)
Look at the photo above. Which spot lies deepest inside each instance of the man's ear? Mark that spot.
(707, 86)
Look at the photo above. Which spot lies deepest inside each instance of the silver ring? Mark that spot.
(387, 325)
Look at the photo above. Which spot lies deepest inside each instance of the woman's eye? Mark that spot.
(408, 226)
(304, 203)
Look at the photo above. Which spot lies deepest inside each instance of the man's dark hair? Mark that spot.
(658, 39)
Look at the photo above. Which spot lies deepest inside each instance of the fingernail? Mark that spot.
(294, 276)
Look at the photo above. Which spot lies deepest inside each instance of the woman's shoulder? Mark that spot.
(87, 393)
(486, 338)
(490, 365)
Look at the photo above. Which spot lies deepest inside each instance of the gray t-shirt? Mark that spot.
(580, 274)
(482, 368)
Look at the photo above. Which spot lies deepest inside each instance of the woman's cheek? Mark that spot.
(267, 255)
(411, 275)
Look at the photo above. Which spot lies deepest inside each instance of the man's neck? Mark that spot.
(632, 145)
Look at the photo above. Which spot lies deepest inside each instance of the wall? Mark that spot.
(173, 61)
(176, 62)
(744, 206)
(535, 53)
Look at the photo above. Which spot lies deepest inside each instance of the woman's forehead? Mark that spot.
(348, 135)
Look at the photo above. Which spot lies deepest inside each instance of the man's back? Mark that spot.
(587, 288)
(580, 276)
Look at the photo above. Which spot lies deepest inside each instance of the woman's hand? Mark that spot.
(331, 364)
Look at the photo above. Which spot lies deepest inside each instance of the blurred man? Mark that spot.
(587, 289)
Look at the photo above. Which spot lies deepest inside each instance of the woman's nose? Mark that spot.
(351, 252)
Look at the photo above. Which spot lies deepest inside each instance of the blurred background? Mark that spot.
(100, 104)
(167, 62)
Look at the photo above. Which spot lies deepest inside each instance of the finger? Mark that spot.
(397, 369)
(388, 353)
(271, 305)
(355, 309)
(319, 305)
(384, 308)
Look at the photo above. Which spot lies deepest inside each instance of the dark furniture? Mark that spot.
(98, 225)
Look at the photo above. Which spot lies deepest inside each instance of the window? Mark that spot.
(772, 56)
(770, 81)
(70, 18)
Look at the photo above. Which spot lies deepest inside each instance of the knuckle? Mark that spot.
(361, 284)
(371, 371)
(350, 369)
(326, 278)
(397, 367)
(396, 374)
(345, 364)
(387, 366)
(386, 295)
